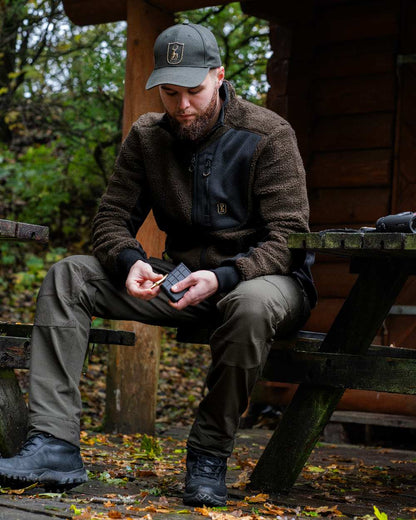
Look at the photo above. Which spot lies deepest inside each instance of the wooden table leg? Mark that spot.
(363, 312)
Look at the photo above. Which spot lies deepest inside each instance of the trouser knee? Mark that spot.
(253, 314)
(65, 285)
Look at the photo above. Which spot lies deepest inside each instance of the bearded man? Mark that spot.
(226, 183)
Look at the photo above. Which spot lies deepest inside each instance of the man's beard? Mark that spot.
(199, 126)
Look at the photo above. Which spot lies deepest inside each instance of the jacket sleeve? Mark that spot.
(281, 204)
(123, 208)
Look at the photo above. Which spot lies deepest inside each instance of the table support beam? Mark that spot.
(363, 312)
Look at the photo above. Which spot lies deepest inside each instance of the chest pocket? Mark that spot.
(221, 177)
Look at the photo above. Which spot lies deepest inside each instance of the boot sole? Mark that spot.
(46, 478)
(204, 497)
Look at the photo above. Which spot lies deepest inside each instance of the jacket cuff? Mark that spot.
(126, 259)
(228, 277)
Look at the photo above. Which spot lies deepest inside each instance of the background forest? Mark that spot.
(61, 104)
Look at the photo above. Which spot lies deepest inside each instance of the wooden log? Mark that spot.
(404, 185)
(87, 12)
(408, 16)
(350, 169)
(133, 376)
(354, 95)
(280, 395)
(353, 132)
(375, 419)
(278, 69)
(333, 280)
(328, 207)
(357, 58)
(347, 22)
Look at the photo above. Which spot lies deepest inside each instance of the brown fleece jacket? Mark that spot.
(256, 196)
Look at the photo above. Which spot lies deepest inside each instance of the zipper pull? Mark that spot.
(208, 164)
(191, 166)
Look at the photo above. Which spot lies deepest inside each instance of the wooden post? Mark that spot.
(133, 372)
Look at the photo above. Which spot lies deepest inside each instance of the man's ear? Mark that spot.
(220, 75)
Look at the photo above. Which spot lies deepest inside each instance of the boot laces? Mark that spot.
(208, 467)
(27, 446)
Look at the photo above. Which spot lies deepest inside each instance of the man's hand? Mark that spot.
(202, 284)
(140, 280)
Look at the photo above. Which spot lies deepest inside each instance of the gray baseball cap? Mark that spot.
(184, 54)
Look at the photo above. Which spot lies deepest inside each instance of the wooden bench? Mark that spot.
(15, 350)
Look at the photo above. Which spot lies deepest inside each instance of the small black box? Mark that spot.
(179, 273)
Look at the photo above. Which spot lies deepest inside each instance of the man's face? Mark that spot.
(193, 111)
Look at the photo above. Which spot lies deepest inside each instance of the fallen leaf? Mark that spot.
(272, 509)
(261, 497)
(242, 480)
(204, 511)
(314, 469)
(115, 514)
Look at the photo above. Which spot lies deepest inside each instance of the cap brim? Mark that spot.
(188, 77)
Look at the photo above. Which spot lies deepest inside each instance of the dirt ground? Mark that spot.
(142, 477)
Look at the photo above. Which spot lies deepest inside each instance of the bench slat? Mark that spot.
(11, 230)
(105, 336)
(14, 352)
(365, 372)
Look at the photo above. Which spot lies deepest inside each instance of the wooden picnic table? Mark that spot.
(383, 262)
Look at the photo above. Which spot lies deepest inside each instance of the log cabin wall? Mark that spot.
(353, 93)
(343, 73)
(335, 75)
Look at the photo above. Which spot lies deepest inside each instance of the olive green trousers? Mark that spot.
(244, 322)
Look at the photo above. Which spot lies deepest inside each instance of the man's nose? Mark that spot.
(183, 102)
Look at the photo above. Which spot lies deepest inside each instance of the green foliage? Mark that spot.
(244, 45)
(60, 116)
(150, 446)
(379, 515)
(61, 102)
(22, 272)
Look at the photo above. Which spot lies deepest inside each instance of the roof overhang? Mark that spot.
(91, 12)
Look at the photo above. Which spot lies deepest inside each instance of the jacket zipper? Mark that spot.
(205, 176)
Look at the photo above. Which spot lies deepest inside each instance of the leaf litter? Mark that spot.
(141, 476)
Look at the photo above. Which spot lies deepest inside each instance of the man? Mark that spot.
(226, 184)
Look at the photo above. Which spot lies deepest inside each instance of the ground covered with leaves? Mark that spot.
(139, 476)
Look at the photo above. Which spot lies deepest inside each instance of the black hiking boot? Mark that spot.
(51, 462)
(205, 480)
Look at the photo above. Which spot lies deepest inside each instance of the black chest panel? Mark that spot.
(221, 177)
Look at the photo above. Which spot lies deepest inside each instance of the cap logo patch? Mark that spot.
(175, 53)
